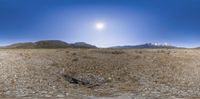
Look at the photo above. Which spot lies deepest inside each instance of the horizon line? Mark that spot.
(120, 45)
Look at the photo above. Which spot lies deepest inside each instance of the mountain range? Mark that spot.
(50, 44)
(62, 44)
(147, 45)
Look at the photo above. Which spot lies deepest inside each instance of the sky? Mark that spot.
(125, 22)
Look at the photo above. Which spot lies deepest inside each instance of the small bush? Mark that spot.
(137, 57)
(139, 52)
(117, 52)
(168, 52)
(89, 57)
(111, 51)
(74, 54)
(21, 54)
(160, 51)
(75, 59)
(54, 64)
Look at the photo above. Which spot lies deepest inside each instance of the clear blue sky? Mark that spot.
(127, 22)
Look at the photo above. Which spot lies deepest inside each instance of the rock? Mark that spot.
(85, 79)
(67, 94)
(48, 96)
(60, 96)
(8, 92)
(44, 92)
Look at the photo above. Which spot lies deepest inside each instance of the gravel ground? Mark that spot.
(99, 73)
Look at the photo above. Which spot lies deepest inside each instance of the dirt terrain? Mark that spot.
(93, 73)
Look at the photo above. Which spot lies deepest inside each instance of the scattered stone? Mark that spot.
(48, 96)
(60, 96)
(89, 80)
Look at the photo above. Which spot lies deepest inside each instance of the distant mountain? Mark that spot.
(50, 44)
(147, 45)
(21, 45)
(82, 45)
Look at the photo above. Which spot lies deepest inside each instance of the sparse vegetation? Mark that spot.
(137, 57)
(161, 51)
(138, 51)
(118, 52)
(110, 51)
(99, 72)
(89, 57)
(74, 54)
(75, 59)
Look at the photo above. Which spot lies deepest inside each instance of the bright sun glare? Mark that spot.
(100, 26)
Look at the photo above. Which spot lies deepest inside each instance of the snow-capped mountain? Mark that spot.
(147, 45)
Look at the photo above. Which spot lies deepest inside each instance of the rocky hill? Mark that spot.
(50, 44)
(21, 45)
(82, 45)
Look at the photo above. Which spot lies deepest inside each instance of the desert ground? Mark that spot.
(96, 73)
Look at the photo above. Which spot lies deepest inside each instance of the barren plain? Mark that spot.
(96, 73)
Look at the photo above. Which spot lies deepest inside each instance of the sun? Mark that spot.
(99, 26)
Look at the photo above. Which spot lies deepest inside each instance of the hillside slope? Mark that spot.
(50, 44)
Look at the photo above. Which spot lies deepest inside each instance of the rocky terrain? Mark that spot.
(96, 73)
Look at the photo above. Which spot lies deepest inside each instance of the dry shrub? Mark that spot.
(139, 52)
(89, 57)
(74, 54)
(75, 59)
(161, 51)
(168, 52)
(116, 52)
(164, 51)
(21, 54)
(137, 57)
(54, 64)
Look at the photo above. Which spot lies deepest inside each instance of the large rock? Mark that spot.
(89, 80)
